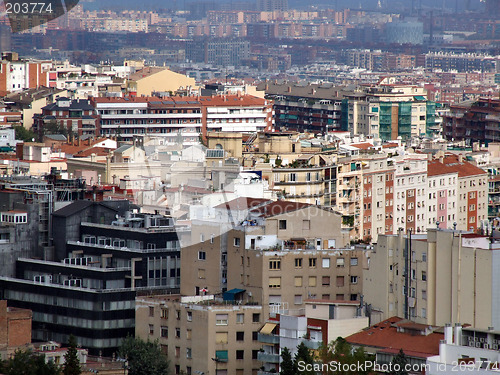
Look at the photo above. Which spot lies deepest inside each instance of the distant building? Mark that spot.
(77, 117)
(405, 32)
(155, 79)
(272, 5)
(473, 122)
(218, 51)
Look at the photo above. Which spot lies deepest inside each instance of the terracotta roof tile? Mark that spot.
(451, 164)
(385, 336)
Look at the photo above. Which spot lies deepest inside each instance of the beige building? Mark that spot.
(451, 278)
(155, 79)
(201, 335)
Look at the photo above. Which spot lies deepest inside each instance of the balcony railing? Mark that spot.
(269, 358)
(268, 339)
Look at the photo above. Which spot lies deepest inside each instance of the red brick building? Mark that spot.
(15, 328)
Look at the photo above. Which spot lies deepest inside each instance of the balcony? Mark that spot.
(268, 339)
(269, 358)
(314, 345)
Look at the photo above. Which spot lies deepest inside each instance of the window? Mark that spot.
(339, 297)
(178, 314)
(340, 262)
(340, 281)
(298, 281)
(202, 255)
(164, 313)
(424, 294)
(274, 264)
(177, 352)
(312, 280)
(275, 282)
(354, 279)
(256, 318)
(424, 257)
(151, 329)
(236, 242)
(189, 334)
(282, 224)
(221, 319)
(177, 333)
(424, 276)
(221, 337)
(164, 331)
(240, 318)
(325, 262)
(189, 316)
(255, 354)
(298, 299)
(424, 313)
(221, 355)
(325, 281)
(151, 311)
(240, 336)
(240, 354)
(293, 177)
(354, 297)
(306, 224)
(298, 262)
(255, 335)
(354, 261)
(201, 273)
(188, 353)
(312, 262)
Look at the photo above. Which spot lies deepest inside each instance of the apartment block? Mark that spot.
(17, 75)
(442, 277)
(181, 119)
(202, 334)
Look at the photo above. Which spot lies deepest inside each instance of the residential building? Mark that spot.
(148, 80)
(433, 279)
(17, 75)
(77, 117)
(387, 338)
(201, 334)
(473, 122)
(466, 349)
(96, 283)
(272, 5)
(218, 51)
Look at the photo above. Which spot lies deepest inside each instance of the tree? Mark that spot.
(341, 352)
(304, 355)
(287, 363)
(71, 361)
(25, 362)
(23, 134)
(144, 357)
(398, 364)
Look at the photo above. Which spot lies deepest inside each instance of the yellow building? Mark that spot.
(201, 335)
(452, 277)
(157, 79)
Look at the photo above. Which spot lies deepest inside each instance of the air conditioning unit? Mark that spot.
(478, 344)
(486, 346)
(259, 238)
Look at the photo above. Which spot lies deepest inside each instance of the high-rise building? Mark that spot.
(272, 5)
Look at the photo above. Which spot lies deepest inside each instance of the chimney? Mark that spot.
(441, 159)
(289, 89)
(460, 158)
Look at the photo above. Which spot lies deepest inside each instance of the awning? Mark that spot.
(420, 98)
(268, 328)
(230, 295)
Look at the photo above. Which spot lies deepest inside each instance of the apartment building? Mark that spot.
(95, 284)
(15, 329)
(181, 119)
(476, 122)
(389, 111)
(202, 335)
(459, 193)
(442, 277)
(17, 75)
(76, 117)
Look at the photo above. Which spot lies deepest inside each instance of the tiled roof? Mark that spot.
(385, 336)
(242, 203)
(278, 208)
(451, 164)
(362, 146)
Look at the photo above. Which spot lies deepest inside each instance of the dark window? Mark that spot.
(255, 336)
(240, 354)
(240, 336)
(255, 354)
(282, 224)
(256, 318)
